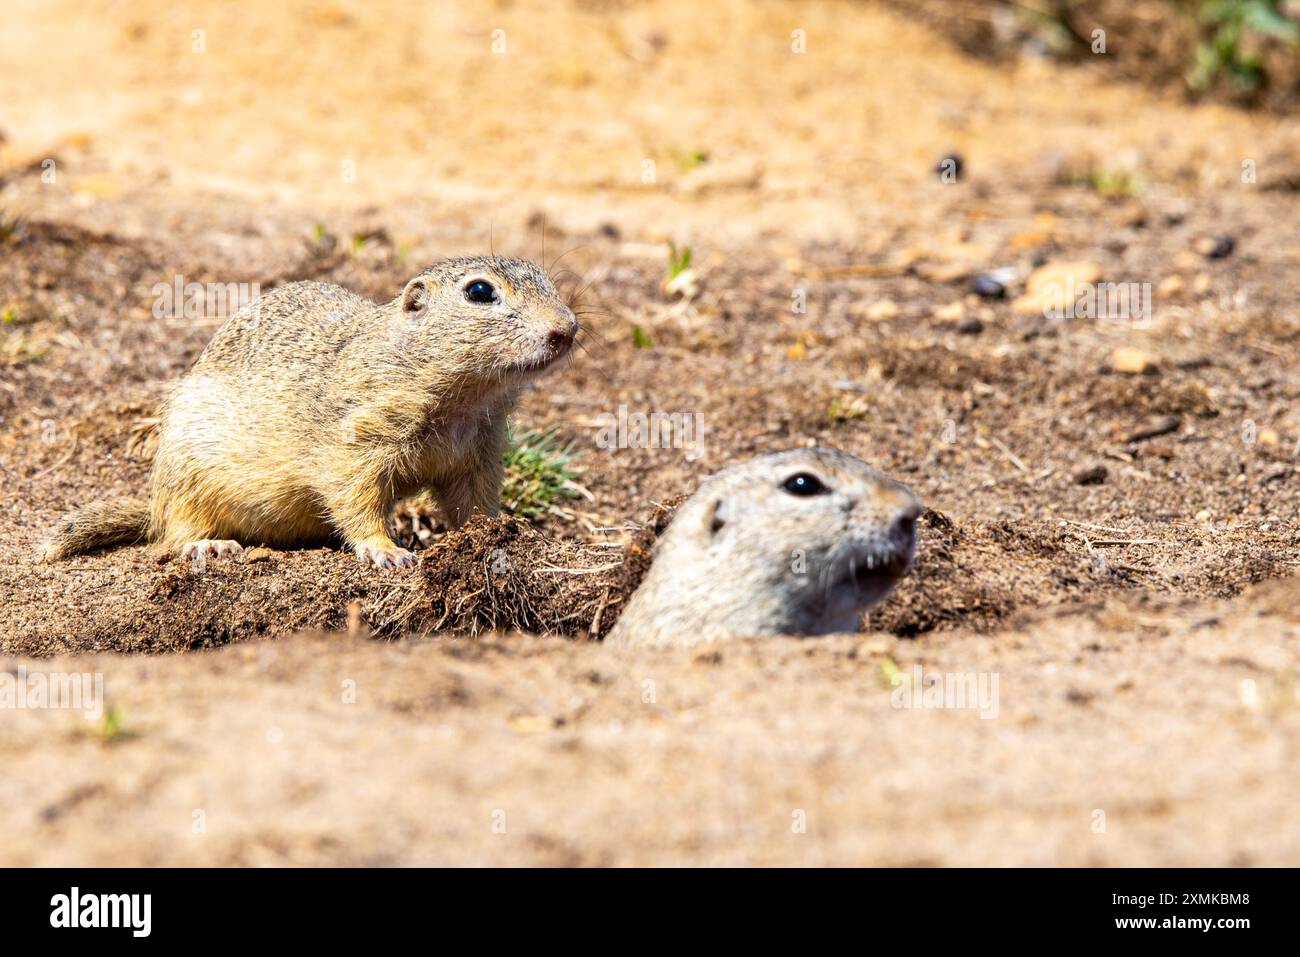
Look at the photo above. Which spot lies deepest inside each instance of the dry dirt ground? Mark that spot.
(1113, 546)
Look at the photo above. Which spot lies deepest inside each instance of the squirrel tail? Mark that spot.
(100, 525)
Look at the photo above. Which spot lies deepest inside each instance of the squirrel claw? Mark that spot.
(211, 548)
(385, 556)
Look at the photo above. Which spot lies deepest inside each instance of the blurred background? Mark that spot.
(799, 119)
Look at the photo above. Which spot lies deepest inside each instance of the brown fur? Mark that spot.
(312, 410)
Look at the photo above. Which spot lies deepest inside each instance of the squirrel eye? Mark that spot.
(805, 483)
(481, 292)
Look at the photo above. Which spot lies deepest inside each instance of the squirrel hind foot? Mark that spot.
(211, 548)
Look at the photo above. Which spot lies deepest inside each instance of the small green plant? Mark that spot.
(11, 226)
(1231, 22)
(10, 316)
(846, 408)
(679, 260)
(1048, 25)
(688, 160)
(110, 728)
(889, 672)
(540, 472)
(17, 348)
(640, 338)
(1114, 184)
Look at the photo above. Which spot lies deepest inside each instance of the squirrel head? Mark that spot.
(818, 527)
(504, 316)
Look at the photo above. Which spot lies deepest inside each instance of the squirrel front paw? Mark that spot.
(384, 555)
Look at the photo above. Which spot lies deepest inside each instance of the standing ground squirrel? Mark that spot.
(313, 409)
(796, 543)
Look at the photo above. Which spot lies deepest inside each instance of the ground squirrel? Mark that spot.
(796, 543)
(313, 409)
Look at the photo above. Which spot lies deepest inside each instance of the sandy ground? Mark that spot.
(1115, 740)
(1141, 625)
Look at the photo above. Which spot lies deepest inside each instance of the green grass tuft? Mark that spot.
(679, 260)
(1115, 183)
(889, 672)
(540, 472)
(688, 160)
(1232, 26)
(10, 226)
(110, 728)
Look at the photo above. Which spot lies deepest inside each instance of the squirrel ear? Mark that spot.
(416, 295)
(716, 517)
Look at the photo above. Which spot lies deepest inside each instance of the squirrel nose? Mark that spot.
(559, 340)
(903, 527)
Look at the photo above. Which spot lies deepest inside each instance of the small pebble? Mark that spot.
(1093, 476)
(970, 326)
(951, 312)
(1160, 425)
(987, 287)
(1129, 360)
(1170, 286)
(1160, 450)
(1219, 247)
(883, 310)
(1133, 215)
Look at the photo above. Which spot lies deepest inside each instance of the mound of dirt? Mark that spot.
(976, 574)
(504, 574)
(494, 574)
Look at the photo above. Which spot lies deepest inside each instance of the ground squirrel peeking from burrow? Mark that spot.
(313, 409)
(795, 543)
